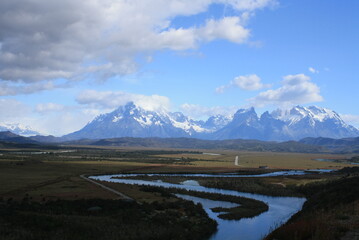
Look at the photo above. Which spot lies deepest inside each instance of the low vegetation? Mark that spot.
(251, 185)
(331, 212)
(103, 219)
(248, 207)
(40, 193)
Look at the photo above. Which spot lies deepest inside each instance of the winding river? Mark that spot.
(280, 208)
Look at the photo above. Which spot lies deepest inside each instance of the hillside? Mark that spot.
(344, 145)
(192, 143)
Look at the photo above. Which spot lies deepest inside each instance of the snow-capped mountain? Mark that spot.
(133, 121)
(18, 129)
(190, 126)
(280, 125)
(314, 121)
(245, 124)
(217, 122)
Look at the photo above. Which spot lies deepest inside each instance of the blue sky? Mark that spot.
(59, 68)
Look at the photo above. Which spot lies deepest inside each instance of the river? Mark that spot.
(280, 208)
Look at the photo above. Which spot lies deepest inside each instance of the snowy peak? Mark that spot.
(131, 120)
(189, 125)
(18, 129)
(290, 124)
(217, 122)
(246, 116)
(246, 112)
(299, 122)
(312, 113)
(314, 121)
(250, 110)
(323, 114)
(131, 112)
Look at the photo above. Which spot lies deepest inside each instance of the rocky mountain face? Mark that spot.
(280, 125)
(245, 124)
(133, 121)
(314, 121)
(216, 122)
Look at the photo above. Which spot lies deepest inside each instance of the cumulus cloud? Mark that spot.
(248, 82)
(295, 89)
(44, 40)
(196, 111)
(111, 99)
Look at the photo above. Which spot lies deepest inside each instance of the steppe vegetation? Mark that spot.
(40, 194)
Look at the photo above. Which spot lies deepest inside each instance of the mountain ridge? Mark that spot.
(308, 145)
(299, 122)
(18, 129)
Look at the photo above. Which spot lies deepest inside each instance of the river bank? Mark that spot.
(331, 212)
(279, 211)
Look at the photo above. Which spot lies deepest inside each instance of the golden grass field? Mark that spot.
(51, 179)
(256, 159)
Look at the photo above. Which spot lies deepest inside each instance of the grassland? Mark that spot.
(54, 175)
(273, 160)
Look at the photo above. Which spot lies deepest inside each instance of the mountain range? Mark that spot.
(10, 140)
(18, 129)
(299, 122)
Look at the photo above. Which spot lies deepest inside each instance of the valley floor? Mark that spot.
(34, 187)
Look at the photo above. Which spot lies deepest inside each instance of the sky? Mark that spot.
(64, 62)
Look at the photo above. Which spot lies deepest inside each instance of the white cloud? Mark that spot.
(58, 120)
(221, 89)
(248, 82)
(313, 70)
(49, 107)
(61, 122)
(295, 89)
(44, 40)
(228, 28)
(12, 110)
(351, 119)
(196, 111)
(110, 100)
(12, 89)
